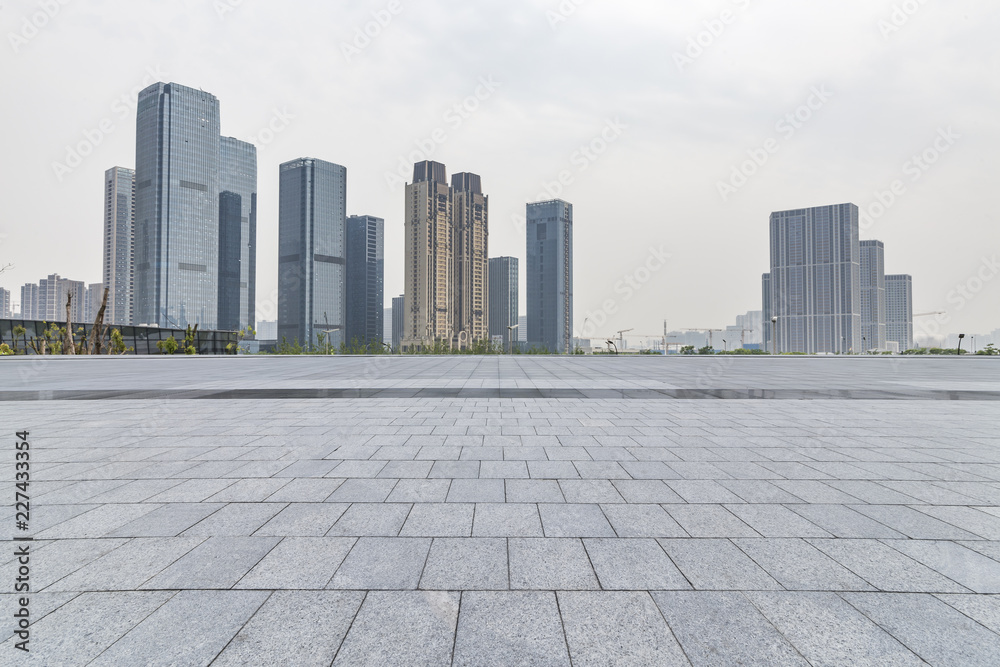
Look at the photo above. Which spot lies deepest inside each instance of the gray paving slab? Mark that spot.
(506, 520)
(776, 521)
(534, 491)
(168, 520)
(709, 521)
(383, 563)
(828, 631)
(797, 565)
(439, 520)
(402, 628)
(717, 565)
(841, 521)
(371, 519)
(984, 609)
(128, 566)
(508, 629)
(914, 524)
(633, 564)
(970, 569)
(724, 629)
(298, 563)
(621, 629)
(420, 491)
(574, 520)
(466, 563)
(938, 633)
(303, 519)
(218, 562)
(476, 491)
(886, 568)
(637, 520)
(646, 491)
(363, 491)
(550, 564)
(235, 519)
(63, 557)
(590, 491)
(319, 622)
(190, 629)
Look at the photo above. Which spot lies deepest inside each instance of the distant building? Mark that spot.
(92, 302)
(119, 243)
(387, 326)
(446, 250)
(398, 321)
(237, 234)
(503, 301)
(899, 311)
(522, 328)
(873, 315)
(814, 281)
(47, 300)
(365, 275)
(549, 275)
(29, 301)
(5, 303)
(747, 331)
(177, 207)
(267, 330)
(312, 213)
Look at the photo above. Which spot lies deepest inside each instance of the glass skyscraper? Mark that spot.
(398, 317)
(365, 271)
(119, 243)
(177, 207)
(312, 212)
(237, 234)
(899, 311)
(815, 279)
(549, 275)
(503, 297)
(872, 295)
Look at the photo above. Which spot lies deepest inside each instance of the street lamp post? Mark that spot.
(725, 345)
(510, 337)
(960, 337)
(864, 345)
(774, 335)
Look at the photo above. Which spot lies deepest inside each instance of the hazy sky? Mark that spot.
(642, 108)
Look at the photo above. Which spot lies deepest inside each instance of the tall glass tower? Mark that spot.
(899, 311)
(815, 282)
(872, 296)
(365, 271)
(237, 234)
(503, 299)
(549, 275)
(312, 212)
(177, 207)
(119, 243)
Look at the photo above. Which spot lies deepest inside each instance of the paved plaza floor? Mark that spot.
(505, 511)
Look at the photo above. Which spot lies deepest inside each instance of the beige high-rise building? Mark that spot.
(446, 281)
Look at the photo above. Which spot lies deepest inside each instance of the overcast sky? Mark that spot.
(831, 99)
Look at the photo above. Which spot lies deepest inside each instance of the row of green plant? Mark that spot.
(438, 347)
(57, 340)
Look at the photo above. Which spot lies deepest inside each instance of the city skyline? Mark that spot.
(534, 132)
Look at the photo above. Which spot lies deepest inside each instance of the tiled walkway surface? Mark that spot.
(499, 531)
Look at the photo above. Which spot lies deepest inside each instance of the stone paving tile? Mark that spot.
(970, 569)
(618, 629)
(218, 562)
(168, 520)
(63, 557)
(298, 563)
(97, 522)
(797, 565)
(191, 491)
(633, 564)
(724, 629)
(406, 470)
(776, 521)
(510, 628)
(235, 519)
(589, 491)
(841, 521)
(642, 521)
(885, 568)
(191, 628)
(827, 630)
(913, 524)
(439, 520)
(703, 491)
(128, 566)
(42, 604)
(83, 628)
(575, 520)
(477, 563)
(270, 639)
(550, 564)
(717, 564)
(709, 521)
(303, 519)
(476, 491)
(371, 519)
(363, 491)
(985, 609)
(981, 524)
(383, 563)
(534, 491)
(646, 491)
(400, 628)
(956, 639)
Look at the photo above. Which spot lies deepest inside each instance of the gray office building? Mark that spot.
(503, 297)
(119, 243)
(312, 212)
(237, 234)
(899, 311)
(365, 276)
(815, 280)
(398, 321)
(177, 207)
(872, 296)
(549, 275)
(5, 303)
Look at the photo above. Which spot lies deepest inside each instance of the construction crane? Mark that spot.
(936, 312)
(621, 337)
(710, 332)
